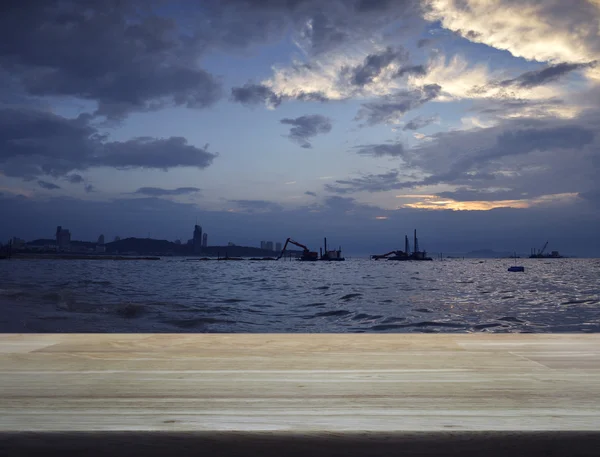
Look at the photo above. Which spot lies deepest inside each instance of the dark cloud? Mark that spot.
(254, 94)
(118, 54)
(418, 70)
(159, 192)
(312, 194)
(75, 178)
(424, 42)
(505, 108)
(318, 26)
(367, 182)
(257, 205)
(375, 63)
(47, 185)
(34, 143)
(389, 109)
(306, 127)
(258, 94)
(545, 75)
(381, 150)
(420, 122)
(531, 156)
(148, 152)
(526, 140)
(469, 195)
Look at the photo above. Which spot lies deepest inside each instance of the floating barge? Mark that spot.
(539, 254)
(406, 254)
(331, 256)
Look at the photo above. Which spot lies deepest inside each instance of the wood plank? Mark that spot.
(299, 383)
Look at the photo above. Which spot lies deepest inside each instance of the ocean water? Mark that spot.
(359, 295)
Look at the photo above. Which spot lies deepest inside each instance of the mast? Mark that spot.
(416, 245)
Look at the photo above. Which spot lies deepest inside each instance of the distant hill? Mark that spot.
(146, 246)
(149, 246)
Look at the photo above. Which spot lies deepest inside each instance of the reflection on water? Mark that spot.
(174, 295)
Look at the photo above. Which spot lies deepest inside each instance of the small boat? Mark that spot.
(515, 267)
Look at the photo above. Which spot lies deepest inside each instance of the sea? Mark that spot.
(174, 295)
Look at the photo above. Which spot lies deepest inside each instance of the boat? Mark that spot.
(516, 268)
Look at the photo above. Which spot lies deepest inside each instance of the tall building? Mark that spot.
(263, 245)
(100, 240)
(205, 240)
(63, 239)
(197, 239)
(278, 247)
(17, 243)
(269, 246)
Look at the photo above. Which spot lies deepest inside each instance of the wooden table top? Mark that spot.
(299, 382)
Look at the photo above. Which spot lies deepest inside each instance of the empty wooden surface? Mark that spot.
(299, 383)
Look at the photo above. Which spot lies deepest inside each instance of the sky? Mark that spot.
(473, 121)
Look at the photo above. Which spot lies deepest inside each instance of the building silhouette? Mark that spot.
(101, 240)
(63, 239)
(197, 239)
(269, 246)
(205, 240)
(278, 247)
(263, 245)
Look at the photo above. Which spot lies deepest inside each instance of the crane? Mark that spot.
(543, 249)
(307, 255)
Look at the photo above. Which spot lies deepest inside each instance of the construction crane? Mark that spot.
(383, 256)
(307, 254)
(543, 249)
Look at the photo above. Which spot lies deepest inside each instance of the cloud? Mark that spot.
(367, 182)
(381, 150)
(254, 94)
(545, 75)
(312, 194)
(390, 109)
(375, 63)
(120, 55)
(34, 143)
(549, 31)
(418, 70)
(89, 188)
(260, 206)
(74, 178)
(47, 185)
(464, 194)
(306, 127)
(420, 122)
(145, 152)
(531, 158)
(159, 192)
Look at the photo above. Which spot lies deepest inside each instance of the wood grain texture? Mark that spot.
(315, 383)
